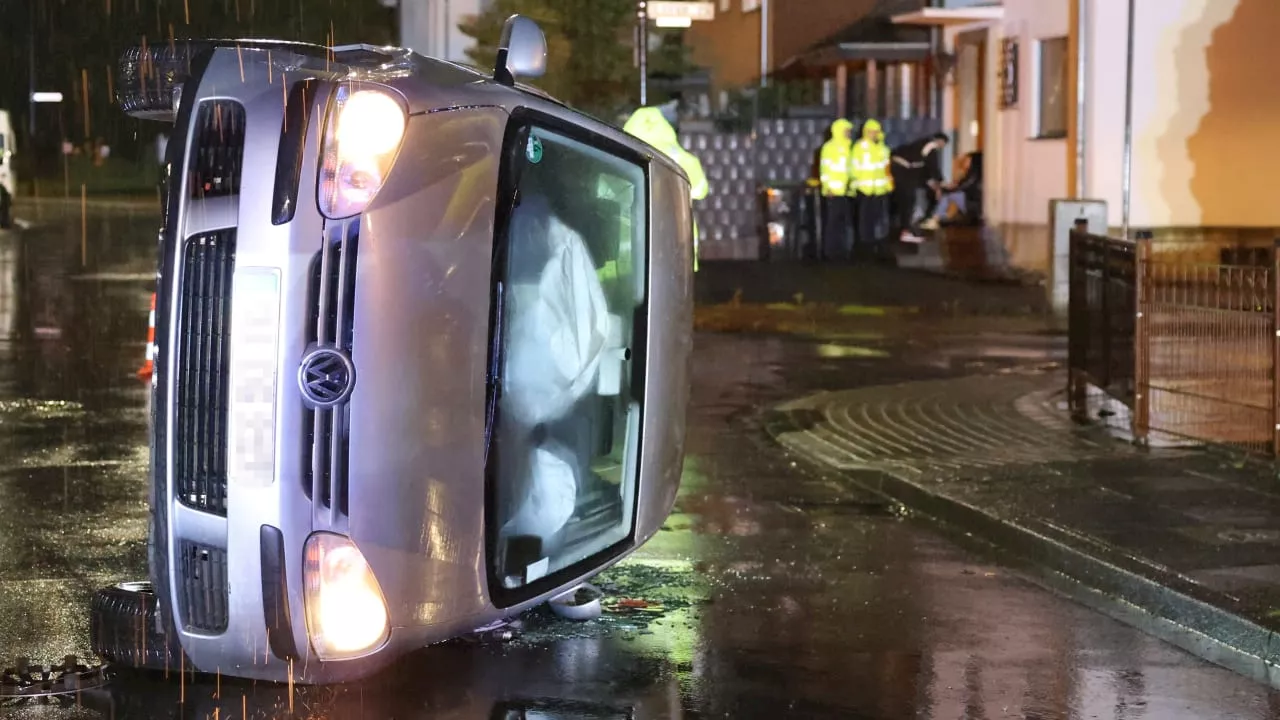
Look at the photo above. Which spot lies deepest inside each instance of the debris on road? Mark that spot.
(23, 682)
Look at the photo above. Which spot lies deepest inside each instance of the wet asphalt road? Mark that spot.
(782, 593)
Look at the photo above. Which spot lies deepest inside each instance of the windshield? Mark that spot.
(566, 434)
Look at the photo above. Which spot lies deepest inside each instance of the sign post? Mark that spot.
(681, 14)
(665, 14)
(642, 48)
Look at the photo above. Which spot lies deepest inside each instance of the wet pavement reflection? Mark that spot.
(772, 592)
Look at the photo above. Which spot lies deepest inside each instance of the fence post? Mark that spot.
(1275, 347)
(1108, 322)
(1077, 387)
(1141, 339)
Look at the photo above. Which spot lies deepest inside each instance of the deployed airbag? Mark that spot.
(558, 328)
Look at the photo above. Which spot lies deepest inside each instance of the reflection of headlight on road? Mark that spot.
(346, 612)
(255, 331)
(362, 137)
(8, 288)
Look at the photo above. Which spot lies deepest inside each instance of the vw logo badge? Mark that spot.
(326, 377)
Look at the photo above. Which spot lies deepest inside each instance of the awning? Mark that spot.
(887, 52)
(950, 16)
(871, 38)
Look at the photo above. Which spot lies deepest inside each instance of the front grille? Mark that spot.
(203, 335)
(202, 588)
(217, 149)
(331, 324)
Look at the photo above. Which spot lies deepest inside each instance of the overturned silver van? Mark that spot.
(422, 354)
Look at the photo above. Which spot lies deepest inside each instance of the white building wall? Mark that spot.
(1023, 172)
(1204, 114)
(430, 27)
(1205, 111)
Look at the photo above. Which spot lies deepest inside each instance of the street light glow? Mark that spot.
(46, 97)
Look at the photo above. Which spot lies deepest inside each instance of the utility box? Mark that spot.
(1063, 215)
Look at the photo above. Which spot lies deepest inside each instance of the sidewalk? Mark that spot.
(717, 281)
(791, 297)
(1182, 543)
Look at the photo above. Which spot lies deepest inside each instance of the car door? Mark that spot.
(566, 397)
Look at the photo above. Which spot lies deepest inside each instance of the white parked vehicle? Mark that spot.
(8, 180)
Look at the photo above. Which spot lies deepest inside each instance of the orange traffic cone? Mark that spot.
(149, 366)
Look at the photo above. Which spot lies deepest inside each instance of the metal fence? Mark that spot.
(1190, 348)
(740, 164)
(1103, 311)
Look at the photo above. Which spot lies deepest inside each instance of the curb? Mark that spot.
(1151, 598)
(122, 203)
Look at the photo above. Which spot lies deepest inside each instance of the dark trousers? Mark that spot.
(837, 227)
(906, 198)
(873, 221)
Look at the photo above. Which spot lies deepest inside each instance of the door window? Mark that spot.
(565, 434)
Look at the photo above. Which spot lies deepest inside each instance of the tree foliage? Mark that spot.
(75, 40)
(590, 50)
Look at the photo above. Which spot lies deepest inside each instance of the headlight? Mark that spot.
(362, 137)
(346, 613)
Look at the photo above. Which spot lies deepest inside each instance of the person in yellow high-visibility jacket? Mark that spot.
(871, 183)
(653, 125)
(837, 209)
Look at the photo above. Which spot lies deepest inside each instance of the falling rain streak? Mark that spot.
(60, 46)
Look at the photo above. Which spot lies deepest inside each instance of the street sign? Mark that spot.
(688, 11)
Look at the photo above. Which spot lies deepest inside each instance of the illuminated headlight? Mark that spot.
(362, 137)
(346, 613)
(255, 333)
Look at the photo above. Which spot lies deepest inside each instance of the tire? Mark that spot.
(125, 629)
(148, 79)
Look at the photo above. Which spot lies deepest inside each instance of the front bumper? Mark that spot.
(390, 466)
(227, 564)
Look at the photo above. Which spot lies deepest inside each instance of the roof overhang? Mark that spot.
(887, 52)
(950, 16)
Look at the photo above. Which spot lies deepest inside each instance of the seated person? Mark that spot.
(963, 195)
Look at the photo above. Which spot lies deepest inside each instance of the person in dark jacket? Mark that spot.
(965, 195)
(917, 166)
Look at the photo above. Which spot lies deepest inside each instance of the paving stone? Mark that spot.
(1004, 445)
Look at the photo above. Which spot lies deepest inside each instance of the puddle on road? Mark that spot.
(832, 351)
(32, 409)
(875, 310)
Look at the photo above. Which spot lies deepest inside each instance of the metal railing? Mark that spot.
(1190, 348)
(1102, 317)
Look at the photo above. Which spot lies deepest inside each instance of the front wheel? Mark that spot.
(126, 629)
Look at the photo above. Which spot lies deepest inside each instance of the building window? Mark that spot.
(725, 5)
(1051, 95)
(750, 5)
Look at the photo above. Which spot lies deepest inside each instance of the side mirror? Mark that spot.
(522, 51)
